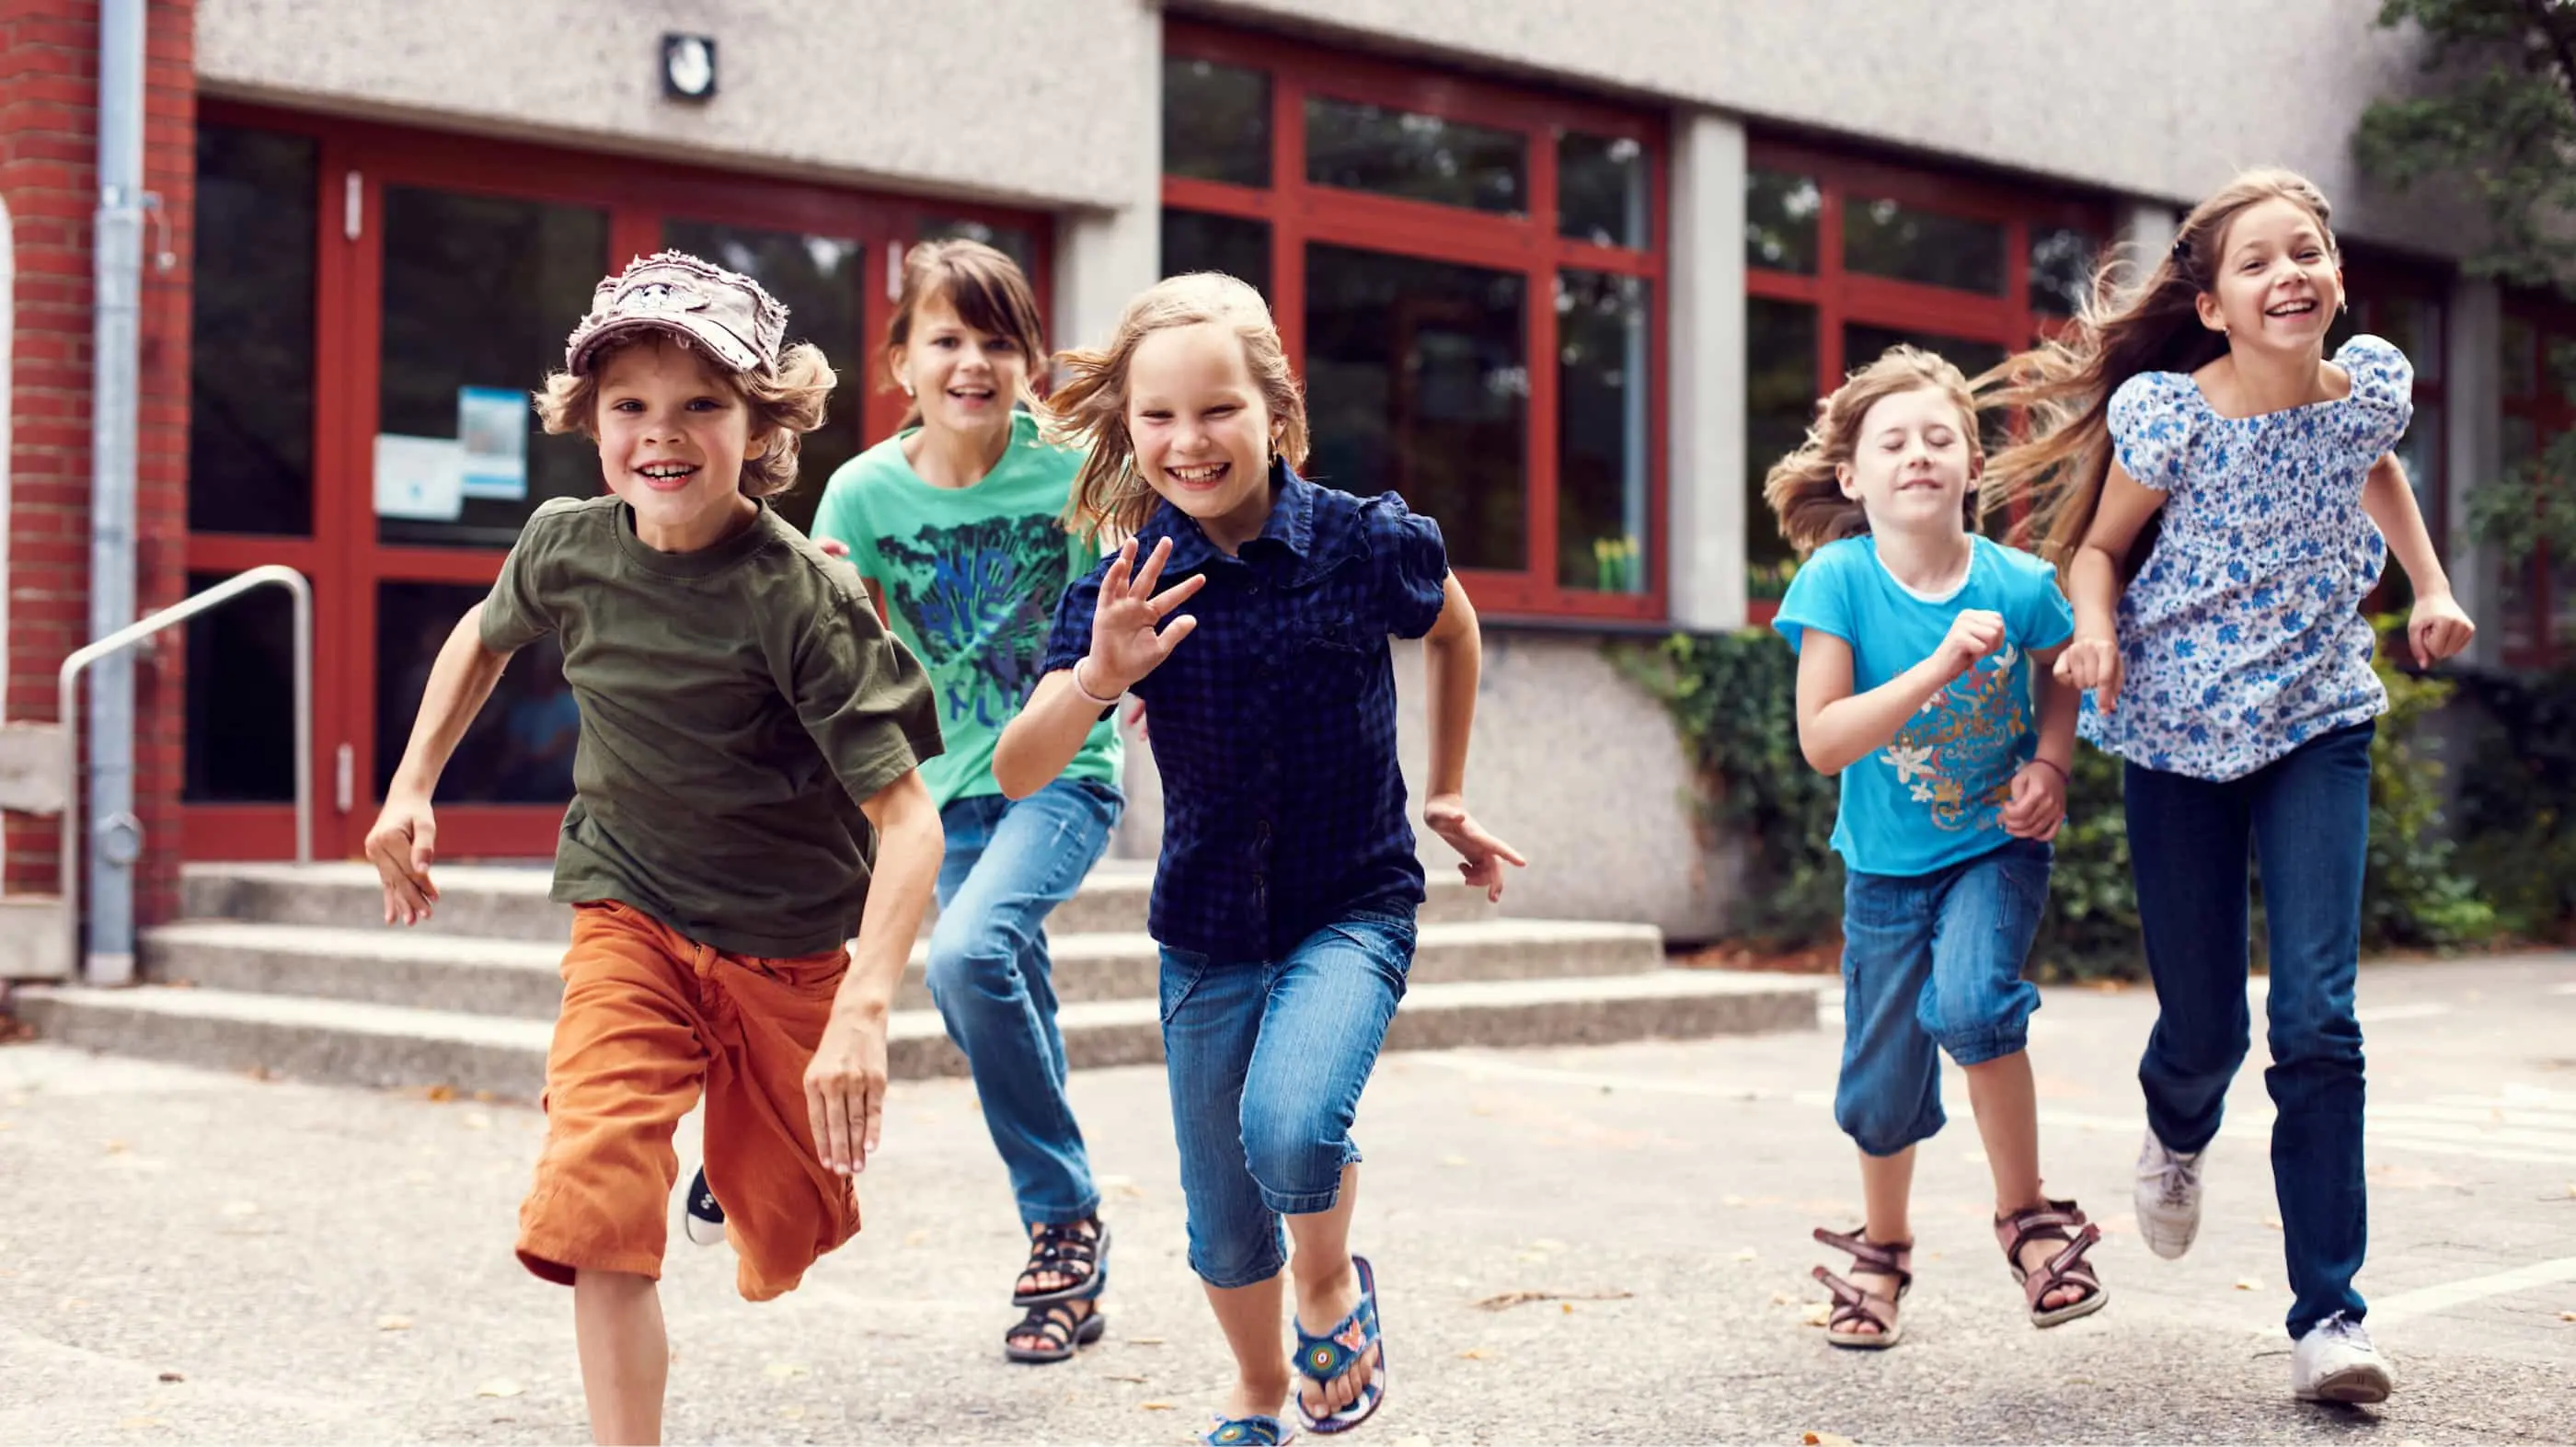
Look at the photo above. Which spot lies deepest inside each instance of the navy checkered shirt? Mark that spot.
(1273, 724)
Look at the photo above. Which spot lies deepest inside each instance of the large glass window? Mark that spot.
(2534, 616)
(1845, 258)
(250, 360)
(1470, 276)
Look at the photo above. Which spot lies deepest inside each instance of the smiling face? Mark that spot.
(963, 378)
(2276, 283)
(673, 433)
(1912, 464)
(1201, 431)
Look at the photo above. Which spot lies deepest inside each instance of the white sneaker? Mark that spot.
(2335, 1362)
(2168, 1197)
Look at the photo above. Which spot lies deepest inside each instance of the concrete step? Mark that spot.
(508, 901)
(358, 1043)
(517, 977)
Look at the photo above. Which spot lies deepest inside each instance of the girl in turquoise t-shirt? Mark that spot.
(1917, 641)
(956, 524)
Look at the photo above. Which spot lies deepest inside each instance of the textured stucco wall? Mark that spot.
(1573, 764)
(1005, 98)
(1006, 104)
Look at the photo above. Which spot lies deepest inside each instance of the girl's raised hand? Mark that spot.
(1128, 639)
(2092, 663)
(1482, 855)
(2438, 628)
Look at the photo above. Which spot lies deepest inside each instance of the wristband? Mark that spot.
(1085, 689)
(2062, 776)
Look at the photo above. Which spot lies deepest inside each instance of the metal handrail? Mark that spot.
(68, 711)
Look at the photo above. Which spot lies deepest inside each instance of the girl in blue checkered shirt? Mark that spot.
(1288, 885)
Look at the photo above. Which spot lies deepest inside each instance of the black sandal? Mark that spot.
(1066, 1250)
(1064, 1335)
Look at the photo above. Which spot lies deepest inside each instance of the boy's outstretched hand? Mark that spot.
(1483, 855)
(401, 846)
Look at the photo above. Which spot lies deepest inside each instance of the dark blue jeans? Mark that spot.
(2306, 817)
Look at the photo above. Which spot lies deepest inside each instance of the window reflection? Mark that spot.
(2061, 270)
(1780, 221)
(1780, 399)
(250, 361)
(1417, 379)
(241, 698)
(1601, 189)
(1235, 245)
(1933, 248)
(1602, 446)
(519, 749)
(1216, 122)
(1363, 147)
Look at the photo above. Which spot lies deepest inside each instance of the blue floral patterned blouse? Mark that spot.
(2242, 636)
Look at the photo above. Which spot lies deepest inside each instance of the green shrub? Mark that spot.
(2517, 800)
(1733, 698)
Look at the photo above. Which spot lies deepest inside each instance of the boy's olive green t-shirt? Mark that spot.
(737, 704)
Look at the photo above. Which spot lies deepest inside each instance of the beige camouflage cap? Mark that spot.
(725, 313)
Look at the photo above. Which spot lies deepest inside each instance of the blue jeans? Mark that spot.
(2307, 816)
(1932, 962)
(1267, 1059)
(1008, 865)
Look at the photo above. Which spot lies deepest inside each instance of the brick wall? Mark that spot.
(48, 177)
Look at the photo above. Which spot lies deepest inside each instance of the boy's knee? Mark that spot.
(971, 955)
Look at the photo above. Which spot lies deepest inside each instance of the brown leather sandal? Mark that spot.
(2051, 1221)
(1853, 1305)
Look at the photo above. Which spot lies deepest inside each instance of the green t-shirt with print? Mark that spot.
(970, 578)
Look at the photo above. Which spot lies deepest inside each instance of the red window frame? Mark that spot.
(2548, 412)
(1298, 211)
(342, 554)
(1840, 296)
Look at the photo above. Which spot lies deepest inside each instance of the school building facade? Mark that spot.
(1568, 277)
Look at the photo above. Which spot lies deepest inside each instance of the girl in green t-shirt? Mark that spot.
(955, 523)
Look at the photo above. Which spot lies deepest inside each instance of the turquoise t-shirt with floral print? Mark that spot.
(2241, 636)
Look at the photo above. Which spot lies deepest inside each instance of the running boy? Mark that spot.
(746, 801)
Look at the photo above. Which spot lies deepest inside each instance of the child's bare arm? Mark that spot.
(2092, 660)
(1837, 728)
(404, 841)
(2437, 626)
(846, 1081)
(1453, 655)
(2038, 803)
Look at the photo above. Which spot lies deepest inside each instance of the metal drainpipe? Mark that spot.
(115, 836)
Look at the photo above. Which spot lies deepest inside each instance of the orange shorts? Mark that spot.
(650, 1019)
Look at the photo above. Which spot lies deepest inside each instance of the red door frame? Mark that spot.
(342, 556)
(1298, 211)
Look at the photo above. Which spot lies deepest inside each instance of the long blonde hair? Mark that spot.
(1805, 489)
(1088, 409)
(2063, 387)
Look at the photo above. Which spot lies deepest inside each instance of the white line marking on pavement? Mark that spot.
(2431, 1299)
(2562, 989)
(2382, 1014)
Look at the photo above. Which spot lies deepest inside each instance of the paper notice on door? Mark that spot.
(492, 428)
(419, 477)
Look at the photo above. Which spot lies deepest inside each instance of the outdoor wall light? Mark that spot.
(688, 66)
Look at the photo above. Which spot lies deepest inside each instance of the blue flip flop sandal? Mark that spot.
(1324, 1358)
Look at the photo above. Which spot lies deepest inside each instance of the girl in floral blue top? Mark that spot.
(2223, 496)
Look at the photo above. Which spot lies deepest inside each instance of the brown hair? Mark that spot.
(784, 405)
(1089, 409)
(2124, 328)
(1804, 488)
(986, 289)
